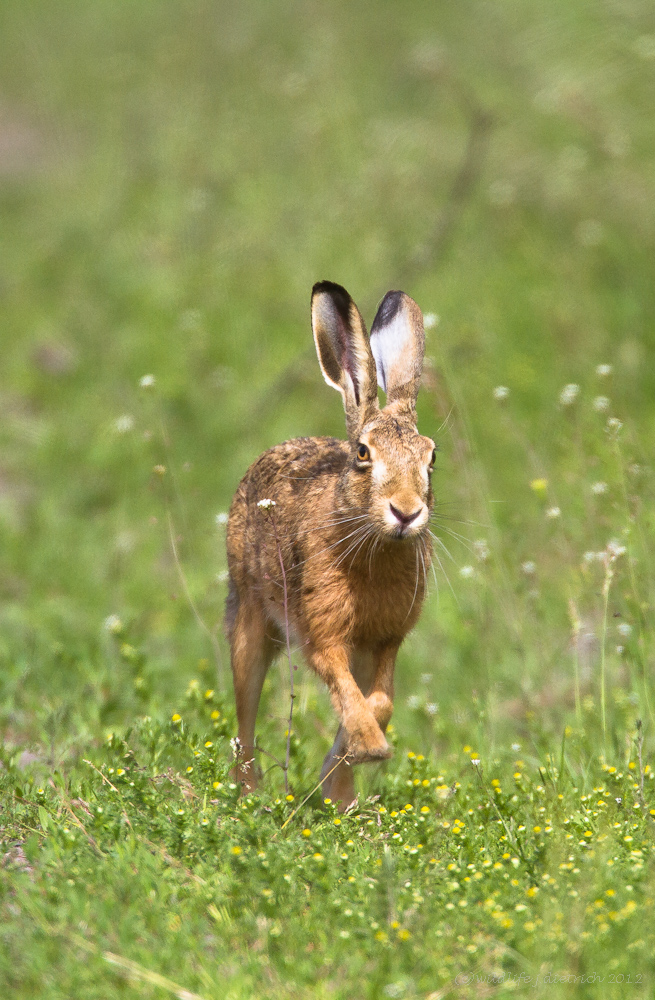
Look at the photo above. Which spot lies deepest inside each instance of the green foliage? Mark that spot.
(174, 177)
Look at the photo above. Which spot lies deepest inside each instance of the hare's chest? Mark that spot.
(387, 602)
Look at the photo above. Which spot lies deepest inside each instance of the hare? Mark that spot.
(348, 520)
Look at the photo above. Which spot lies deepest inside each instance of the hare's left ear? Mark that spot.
(398, 346)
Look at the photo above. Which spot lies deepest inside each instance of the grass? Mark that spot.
(172, 182)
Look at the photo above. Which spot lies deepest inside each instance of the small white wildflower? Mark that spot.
(431, 708)
(223, 576)
(569, 394)
(620, 650)
(266, 504)
(500, 393)
(601, 403)
(413, 701)
(516, 747)
(426, 678)
(221, 518)
(624, 629)
(467, 572)
(603, 370)
(598, 488)
(590, 557)
(529, 567)
(147, 381)
(615, 549)
(113, 624)
(124, 424)
(475, 761)
(235, 743)
(481, 549)
(430, 320)
(553, 512)
(614, 425)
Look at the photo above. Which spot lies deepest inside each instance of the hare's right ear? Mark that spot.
(344, 353)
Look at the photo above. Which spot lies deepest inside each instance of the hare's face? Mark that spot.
(390, 474)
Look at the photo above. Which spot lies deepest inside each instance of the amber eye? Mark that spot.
(363, 454)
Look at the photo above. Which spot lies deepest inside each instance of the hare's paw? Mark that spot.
(366, 742)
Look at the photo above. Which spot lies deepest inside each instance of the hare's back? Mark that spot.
(297, 476)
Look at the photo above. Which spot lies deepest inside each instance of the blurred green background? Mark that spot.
(174, 177)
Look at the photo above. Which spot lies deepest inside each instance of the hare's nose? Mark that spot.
(404, 519)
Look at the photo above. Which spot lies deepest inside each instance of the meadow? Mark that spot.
(173, 180)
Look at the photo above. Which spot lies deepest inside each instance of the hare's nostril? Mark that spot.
(404, 518)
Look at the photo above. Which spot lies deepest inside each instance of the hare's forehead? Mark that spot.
(392, 438)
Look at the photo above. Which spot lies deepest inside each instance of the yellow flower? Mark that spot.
(215, 714)
(217, 784)
(307, 833)
(289, 798)
(318, 856)
(337, 821)
(209, 694)
(425, 809)
(209, 744)
(236, 850)
(381, 936)
(176, 717)
(539, 485)
(532, 891)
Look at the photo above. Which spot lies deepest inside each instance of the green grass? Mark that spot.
(173, 180)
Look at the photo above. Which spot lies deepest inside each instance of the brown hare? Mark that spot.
(349, 522)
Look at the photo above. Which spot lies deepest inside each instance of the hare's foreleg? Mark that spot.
(380, 694)
(251, 655)
(364, 740)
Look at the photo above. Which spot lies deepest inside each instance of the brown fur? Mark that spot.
(355, 566)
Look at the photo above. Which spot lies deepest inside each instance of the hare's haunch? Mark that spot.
(349, 523)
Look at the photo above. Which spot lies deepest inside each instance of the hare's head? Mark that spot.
(388, 475)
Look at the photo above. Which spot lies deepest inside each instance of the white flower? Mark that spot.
(500, 393)
(481, 549)
(426, 678)
(569, 394)
(113, 624)
(516, 747)
(615, 549)
(614, 425)
(235, 743)
(124, 424)
(430, 320)
(553, 512)
(221, 518)
(598, 488)
(223, 576)
(467, 572)
(625, 629)
(590, 557)
(147, 381)
(413, 701)
(529, 567)
(601, 403)
(475, 761)
(603, 370)
(431, 708)
(266, 504)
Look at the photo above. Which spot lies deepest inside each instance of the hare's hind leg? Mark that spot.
(252, 652)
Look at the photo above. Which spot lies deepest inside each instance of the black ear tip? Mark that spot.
(329, 288)
(388, 308)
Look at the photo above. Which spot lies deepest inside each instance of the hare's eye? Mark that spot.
(363, 454)
(433, 458)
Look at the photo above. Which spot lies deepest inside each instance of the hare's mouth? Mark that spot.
(402, 524)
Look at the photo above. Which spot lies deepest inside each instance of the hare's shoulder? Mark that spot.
(301, 460)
